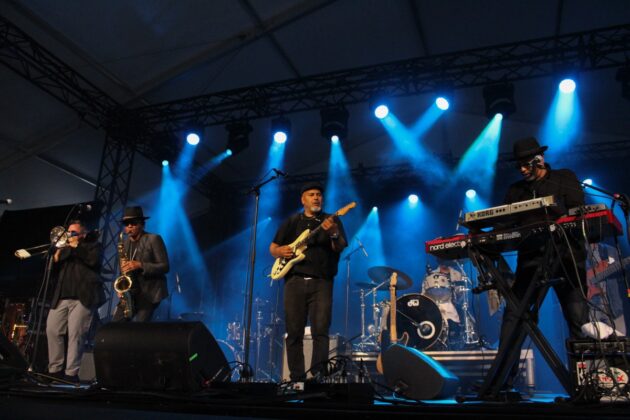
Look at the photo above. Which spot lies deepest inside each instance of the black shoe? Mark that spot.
(53, 376)
(72, 378)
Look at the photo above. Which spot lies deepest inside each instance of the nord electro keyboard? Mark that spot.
(487, 217)
(599, 225)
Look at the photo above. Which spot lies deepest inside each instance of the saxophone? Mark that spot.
(124, 282)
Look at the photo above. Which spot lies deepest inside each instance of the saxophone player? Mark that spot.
(146, 262)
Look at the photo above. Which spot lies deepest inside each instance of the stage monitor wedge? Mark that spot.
(413, 374)
(159, 356)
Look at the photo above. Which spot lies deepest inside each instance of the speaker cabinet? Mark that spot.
(175, 356)
(12, 364)
(336, 346)
(413, 374)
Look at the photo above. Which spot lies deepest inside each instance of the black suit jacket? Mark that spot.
(81, 264)
(151, 252)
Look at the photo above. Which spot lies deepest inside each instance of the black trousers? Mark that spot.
(143, 310)
(307, 299)
(570, 291)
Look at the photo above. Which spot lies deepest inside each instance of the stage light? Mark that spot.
(238, 137)
(499, 99)
(193, 139)
(567, 86)
(471, 194)
(499, 116)
(334, 139)
(280, 129)
(228, 152)
(413, 199)
(381, 111)
(334, 123)
(165, 162)
(588, 181)
(374, 208)
(442, 103)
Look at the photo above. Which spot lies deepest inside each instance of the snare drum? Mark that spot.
(420, 318)
(437, 286)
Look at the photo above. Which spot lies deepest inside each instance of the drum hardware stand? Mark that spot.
(470, 326)
(369, 342)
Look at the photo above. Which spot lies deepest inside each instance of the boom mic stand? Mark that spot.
(246, 372)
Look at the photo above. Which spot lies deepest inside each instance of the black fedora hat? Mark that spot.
(133, 213)
(313, 185)
(527, 147)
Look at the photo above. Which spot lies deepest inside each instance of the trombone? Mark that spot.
(59, 238)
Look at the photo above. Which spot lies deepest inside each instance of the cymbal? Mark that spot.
(381, 273)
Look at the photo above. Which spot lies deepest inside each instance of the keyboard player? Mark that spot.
(538, 180)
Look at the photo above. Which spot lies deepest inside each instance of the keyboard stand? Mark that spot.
(509, 352)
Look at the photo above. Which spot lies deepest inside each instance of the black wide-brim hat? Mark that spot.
(313, 185)
(527, 147)
(133, 213)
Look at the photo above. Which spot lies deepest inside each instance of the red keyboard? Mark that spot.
(599, 225)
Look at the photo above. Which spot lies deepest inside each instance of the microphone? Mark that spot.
(6, 201)
(279, 172)
(362, 247)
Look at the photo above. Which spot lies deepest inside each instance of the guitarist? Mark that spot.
(308, 286)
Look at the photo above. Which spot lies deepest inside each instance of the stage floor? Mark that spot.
(27, 400)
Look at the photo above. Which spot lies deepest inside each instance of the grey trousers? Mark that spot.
(72, 318)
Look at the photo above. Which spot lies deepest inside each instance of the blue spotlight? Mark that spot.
(381, 111)
(228, 152)
(334, 139)
(280, 137)
(413, 199)
(588, 181)
(374, 208)
(442, 103)
(193, 139)
(165, 162)
(567, 86)
(471, 194)
(280, 129)
(499, 116)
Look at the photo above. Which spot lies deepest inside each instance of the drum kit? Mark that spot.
(265, 341)
(437, 319)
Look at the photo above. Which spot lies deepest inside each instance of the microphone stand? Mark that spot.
(38, 317)
(246, 372)
(347, 259)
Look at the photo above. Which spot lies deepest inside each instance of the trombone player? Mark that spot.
(146, 262)
(78, 292)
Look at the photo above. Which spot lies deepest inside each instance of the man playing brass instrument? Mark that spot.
(147, 265)
(78, 292)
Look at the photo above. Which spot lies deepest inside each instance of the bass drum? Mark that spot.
(420, 318)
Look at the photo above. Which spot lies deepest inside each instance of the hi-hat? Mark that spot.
(380, 274)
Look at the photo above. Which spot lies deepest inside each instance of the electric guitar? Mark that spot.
(392, 338)
(282, 265)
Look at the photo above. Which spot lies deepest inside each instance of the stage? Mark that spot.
(27, 400)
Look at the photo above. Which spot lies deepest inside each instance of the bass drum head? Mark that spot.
(420, 318)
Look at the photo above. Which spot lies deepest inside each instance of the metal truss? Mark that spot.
(582, 51)
(112, 191)
(406, 172)
(26, 57)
